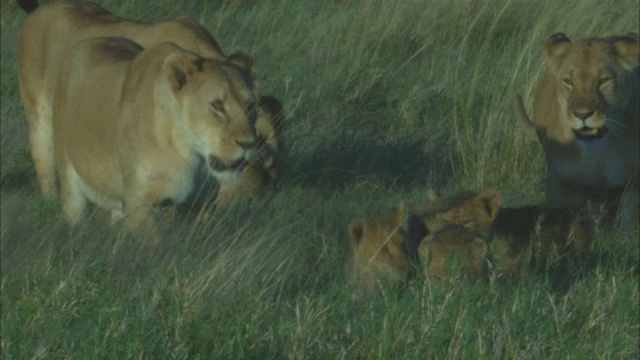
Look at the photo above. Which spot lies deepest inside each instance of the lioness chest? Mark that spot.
(598, 163)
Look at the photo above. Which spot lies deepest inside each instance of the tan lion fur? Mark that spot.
(586, 116)
(437, 248)
(46, 39)
(385, 250)
(139, 137)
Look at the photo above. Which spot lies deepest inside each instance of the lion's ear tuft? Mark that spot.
(179, 68)
(628, 49)
(557, 45)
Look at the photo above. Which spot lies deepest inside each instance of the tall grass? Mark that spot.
(382, 99)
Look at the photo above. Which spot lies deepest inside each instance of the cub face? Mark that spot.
(381, 255)
(437, 248)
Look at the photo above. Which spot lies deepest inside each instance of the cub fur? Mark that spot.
(436, 249)
(533, 236)
(138, 138)
(261, 171)
(384, 251)
(46, 39)
(586, 116)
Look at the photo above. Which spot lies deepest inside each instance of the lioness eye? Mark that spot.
(568, 82)
(218, 106)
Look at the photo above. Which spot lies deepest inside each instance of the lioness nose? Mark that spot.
(583, 115)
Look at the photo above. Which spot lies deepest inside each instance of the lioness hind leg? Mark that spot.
(42, 149)
(72, 200)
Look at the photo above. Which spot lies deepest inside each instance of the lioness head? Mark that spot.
(217, 109)
(593, 80)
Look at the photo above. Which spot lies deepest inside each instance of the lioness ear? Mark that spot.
(628, 49)
(356, 230)
(557, 44)
(179, 68)
(244, 61)
(491, 202)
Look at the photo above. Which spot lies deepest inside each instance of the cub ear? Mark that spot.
(628, 49)
(479, 248)
(243, 61)
(179, 68)
(273, 107)
(556, 45)
(356, 230)
(433, 195)
(491, 202)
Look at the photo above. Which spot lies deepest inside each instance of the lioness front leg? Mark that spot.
(628, 219)
(139, 220)
(562, 194)
(138, 212)
(42, 149)
(72, 200)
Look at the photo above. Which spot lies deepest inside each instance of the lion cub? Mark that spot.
(536, 235)
(384, 251)
(437, 248)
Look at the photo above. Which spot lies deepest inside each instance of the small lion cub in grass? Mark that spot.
(437, 248)
(384, 251)
(539, 236)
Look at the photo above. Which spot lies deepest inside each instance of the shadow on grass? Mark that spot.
(404, 162)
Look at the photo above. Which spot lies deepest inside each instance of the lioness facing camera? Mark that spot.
(131, 126)
(586, 116)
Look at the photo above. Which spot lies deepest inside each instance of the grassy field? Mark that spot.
(383, 100)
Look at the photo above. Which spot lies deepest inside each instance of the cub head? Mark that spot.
(382, 252)
(438, 247)
(475, 211)
(595, 79)
(217, 109)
